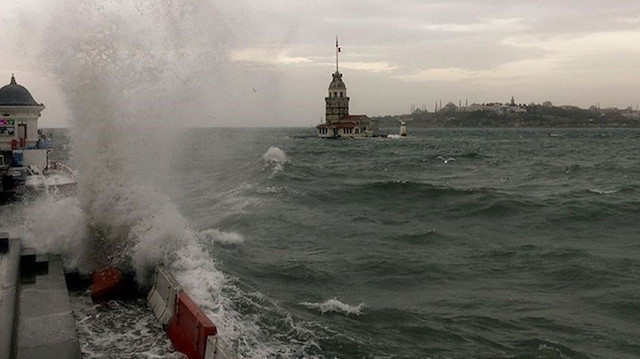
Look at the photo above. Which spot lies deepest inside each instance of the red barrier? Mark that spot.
(189, 328)
(105, 283)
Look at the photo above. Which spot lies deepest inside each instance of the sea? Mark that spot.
(447, 243)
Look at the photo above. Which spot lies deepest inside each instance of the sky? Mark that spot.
(269, 62)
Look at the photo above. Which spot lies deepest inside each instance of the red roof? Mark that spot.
(344, 124)
(337, 125)
(354, 117)
(349, 121)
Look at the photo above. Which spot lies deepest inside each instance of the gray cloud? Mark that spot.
(394, 53)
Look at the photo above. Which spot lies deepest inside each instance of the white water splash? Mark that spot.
(335, 306)
(395, 137)
(222, 237)
(275, 156)
(53, 225)
(603, 191)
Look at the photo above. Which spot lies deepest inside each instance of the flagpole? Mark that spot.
(337, 53)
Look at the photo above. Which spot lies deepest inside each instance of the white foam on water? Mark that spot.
(218, 236)
(119, 330)
(603, 191)
(335, 306)
(395, 137)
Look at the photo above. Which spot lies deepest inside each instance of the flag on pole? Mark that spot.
(337, 46)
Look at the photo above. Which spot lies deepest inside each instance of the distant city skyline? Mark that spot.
(269, 63)
(467, 103)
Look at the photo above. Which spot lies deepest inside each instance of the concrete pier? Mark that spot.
(46, 328)
(9, 281)
(36, 320)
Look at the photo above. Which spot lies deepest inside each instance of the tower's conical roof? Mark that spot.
(337, 82)
(16, 95)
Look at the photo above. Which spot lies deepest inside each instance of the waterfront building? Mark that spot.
(19, 114)
(19, 137)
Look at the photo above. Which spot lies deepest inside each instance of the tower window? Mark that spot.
(335, 94)
(340, 93)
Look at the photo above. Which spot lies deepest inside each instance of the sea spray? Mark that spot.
(225, 238)
(53, 225)
(120, 79)
(131, 72)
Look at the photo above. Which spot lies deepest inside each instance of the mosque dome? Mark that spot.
(16, 95)
(337, 83)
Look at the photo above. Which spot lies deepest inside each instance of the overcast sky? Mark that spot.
(269, 62)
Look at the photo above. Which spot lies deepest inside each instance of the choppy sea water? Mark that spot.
(526, 245)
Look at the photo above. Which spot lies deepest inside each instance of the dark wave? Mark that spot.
(416, 188)
(472, 155)
(544, 349)
(429, 237)
(507, 206)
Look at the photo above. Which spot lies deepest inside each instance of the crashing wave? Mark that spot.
(223, 237)
(335, 306)
(275, 156)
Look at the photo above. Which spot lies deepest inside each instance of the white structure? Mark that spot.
(19, 114)
(403, 128)
(338, 122)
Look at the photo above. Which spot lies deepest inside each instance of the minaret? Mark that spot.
(337, 103)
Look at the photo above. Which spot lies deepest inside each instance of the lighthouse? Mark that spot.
(338, 123)
(337, 101)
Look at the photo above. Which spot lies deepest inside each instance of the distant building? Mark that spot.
(497, 107)
(449, 107)
(338, 122)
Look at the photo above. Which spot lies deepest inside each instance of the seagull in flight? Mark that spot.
(446, 160)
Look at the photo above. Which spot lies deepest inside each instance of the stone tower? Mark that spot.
(337, 100)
